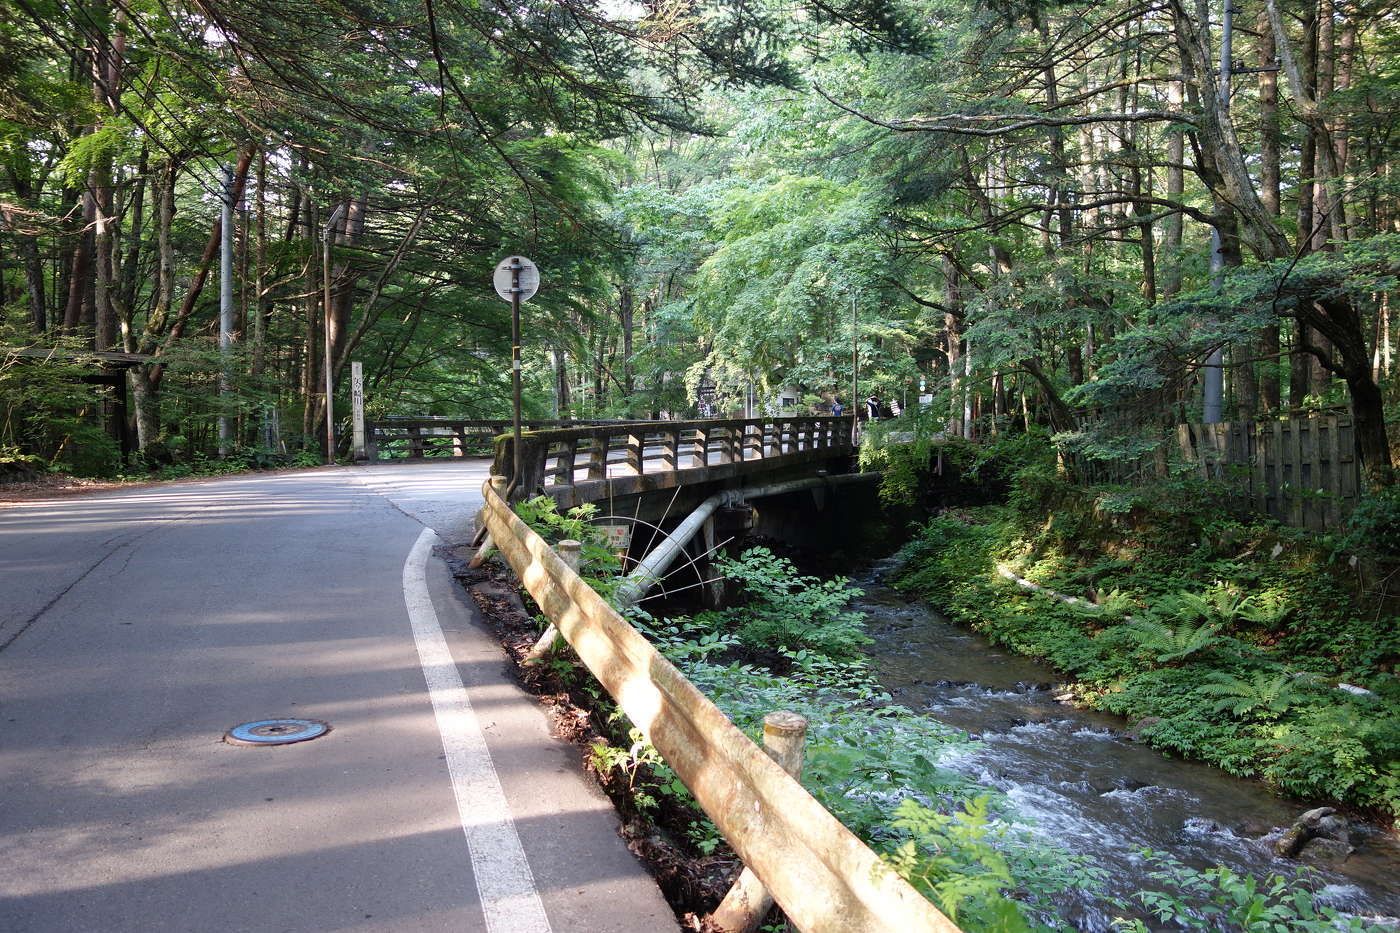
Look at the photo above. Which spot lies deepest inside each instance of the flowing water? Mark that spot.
(1085, 785)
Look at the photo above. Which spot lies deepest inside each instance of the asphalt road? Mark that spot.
(137, 627)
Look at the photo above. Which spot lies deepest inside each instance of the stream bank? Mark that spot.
(1083, 782)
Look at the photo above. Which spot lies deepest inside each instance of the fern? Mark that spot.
(1168, 645)
(1262, 696)
(1226, 605)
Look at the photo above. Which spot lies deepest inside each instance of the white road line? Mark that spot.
(503, 878)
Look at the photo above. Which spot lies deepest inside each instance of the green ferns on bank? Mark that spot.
(1224, 640)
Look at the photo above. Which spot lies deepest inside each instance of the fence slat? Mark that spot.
(1259, 468)
(1297, 514)
(1300, 471)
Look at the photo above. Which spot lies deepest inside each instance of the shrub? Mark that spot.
(782, 609)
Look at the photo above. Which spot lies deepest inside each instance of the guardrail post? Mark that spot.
(700, 448)
(564, 453)
(726, 444)
(568, 549)
(748, 901)
(484, 544)
(670, 449)
(598, 456)
(634, 452)
(415, 443)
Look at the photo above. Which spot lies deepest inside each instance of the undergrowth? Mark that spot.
(1226, 636)
(790, 642)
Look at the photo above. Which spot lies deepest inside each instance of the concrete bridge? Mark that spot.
(676, 492)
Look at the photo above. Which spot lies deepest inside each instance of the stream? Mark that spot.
(1081, 783)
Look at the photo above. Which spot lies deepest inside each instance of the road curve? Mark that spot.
(139, 626)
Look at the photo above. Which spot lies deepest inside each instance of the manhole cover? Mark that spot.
(276, 732)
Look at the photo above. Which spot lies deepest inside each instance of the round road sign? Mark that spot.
(504, 277)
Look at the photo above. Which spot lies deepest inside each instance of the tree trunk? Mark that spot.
(259, 328)
(1270, 390)
(80, 268)
(211, 249)
(34, 283)
(311, 345)
(625, 314)
(1176, 184)
(144, 401)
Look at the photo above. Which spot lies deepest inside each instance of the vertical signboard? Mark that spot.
(357, 402)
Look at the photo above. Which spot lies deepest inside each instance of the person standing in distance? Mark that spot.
(836, 408)
(872, 408)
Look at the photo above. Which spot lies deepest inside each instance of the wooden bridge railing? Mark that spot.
(578, 464)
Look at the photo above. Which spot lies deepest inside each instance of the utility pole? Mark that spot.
(1213, 383)
(226, 323)
(326, 328)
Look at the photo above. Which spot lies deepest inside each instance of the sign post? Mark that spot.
(516, 280)
(357, 407)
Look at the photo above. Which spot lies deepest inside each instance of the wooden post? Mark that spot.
(748, 901)
(670, 450)
(567, 549)
(597, 457)
(1296, 514)
(530, 459)
(1315, 517)
(484, 546)
(699, 447)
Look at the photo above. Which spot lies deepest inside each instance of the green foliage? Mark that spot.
(1264, 695)
(597, 563)
(783, 610)
(1221, 899)
(948, 858)
(47, 409)
(1166, 645)
(1231, 656)
(1349, 750)
(1373, 527)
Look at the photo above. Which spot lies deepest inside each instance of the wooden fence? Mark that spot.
(1302, 471)
(825, 879)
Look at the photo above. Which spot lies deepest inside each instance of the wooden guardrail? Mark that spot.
(584, 464)
(825, 879)
(419, 438)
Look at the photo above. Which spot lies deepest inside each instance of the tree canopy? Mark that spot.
(1007, 207)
